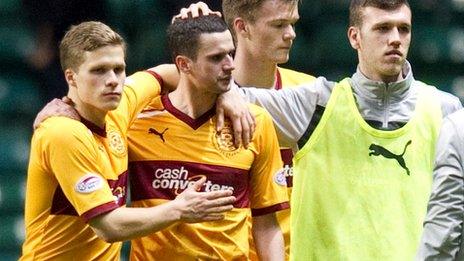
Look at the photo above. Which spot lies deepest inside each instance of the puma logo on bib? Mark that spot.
(378, 150)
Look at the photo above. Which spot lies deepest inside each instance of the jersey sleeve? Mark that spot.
(71, 154)
(291, 108)
(268, 187)
(441, 238)
(139, 89)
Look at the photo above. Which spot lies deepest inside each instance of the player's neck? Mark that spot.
(372, 75)
(254, 72)
(95, 116)
(191, 101)
(89, 113)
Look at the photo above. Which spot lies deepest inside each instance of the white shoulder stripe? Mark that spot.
(148, 114)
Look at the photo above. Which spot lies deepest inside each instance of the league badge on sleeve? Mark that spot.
(89, 183)
(279, 178)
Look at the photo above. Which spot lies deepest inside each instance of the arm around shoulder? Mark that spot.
(169, 75)
(291, 108)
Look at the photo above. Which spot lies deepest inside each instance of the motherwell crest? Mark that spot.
(116, 143)
(224, 140)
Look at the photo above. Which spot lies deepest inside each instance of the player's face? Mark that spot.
(100, 79)
(383, 43)
(272, 34)
(212, 70)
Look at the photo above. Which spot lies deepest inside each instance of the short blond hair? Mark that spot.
(86, 37)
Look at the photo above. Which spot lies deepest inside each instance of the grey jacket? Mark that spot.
(443, 224)
(383, 106)
(296, 112)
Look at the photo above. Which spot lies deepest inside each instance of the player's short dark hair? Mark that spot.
(356, 6)
(183, 34)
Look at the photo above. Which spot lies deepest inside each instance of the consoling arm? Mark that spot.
(190, 206)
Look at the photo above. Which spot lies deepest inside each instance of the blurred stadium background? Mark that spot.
(321, 48)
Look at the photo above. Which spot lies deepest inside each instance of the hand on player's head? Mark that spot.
(195, 10)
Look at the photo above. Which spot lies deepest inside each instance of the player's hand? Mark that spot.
(232, 105)
(57, 107)
(195, 10)
(198, 206)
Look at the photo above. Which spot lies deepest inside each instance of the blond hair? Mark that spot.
(86, 37)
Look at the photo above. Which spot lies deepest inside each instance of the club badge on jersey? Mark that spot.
(116, 143)
(223, 140)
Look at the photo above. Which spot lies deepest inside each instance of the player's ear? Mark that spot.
(354, 36)
(70, 77)
(184, 64)
(240, 27)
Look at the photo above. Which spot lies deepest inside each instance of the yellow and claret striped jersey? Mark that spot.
(168, 150)
(286, 78)
(78, 171)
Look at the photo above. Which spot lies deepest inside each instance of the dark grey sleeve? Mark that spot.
(291, 108)
(441, 238)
